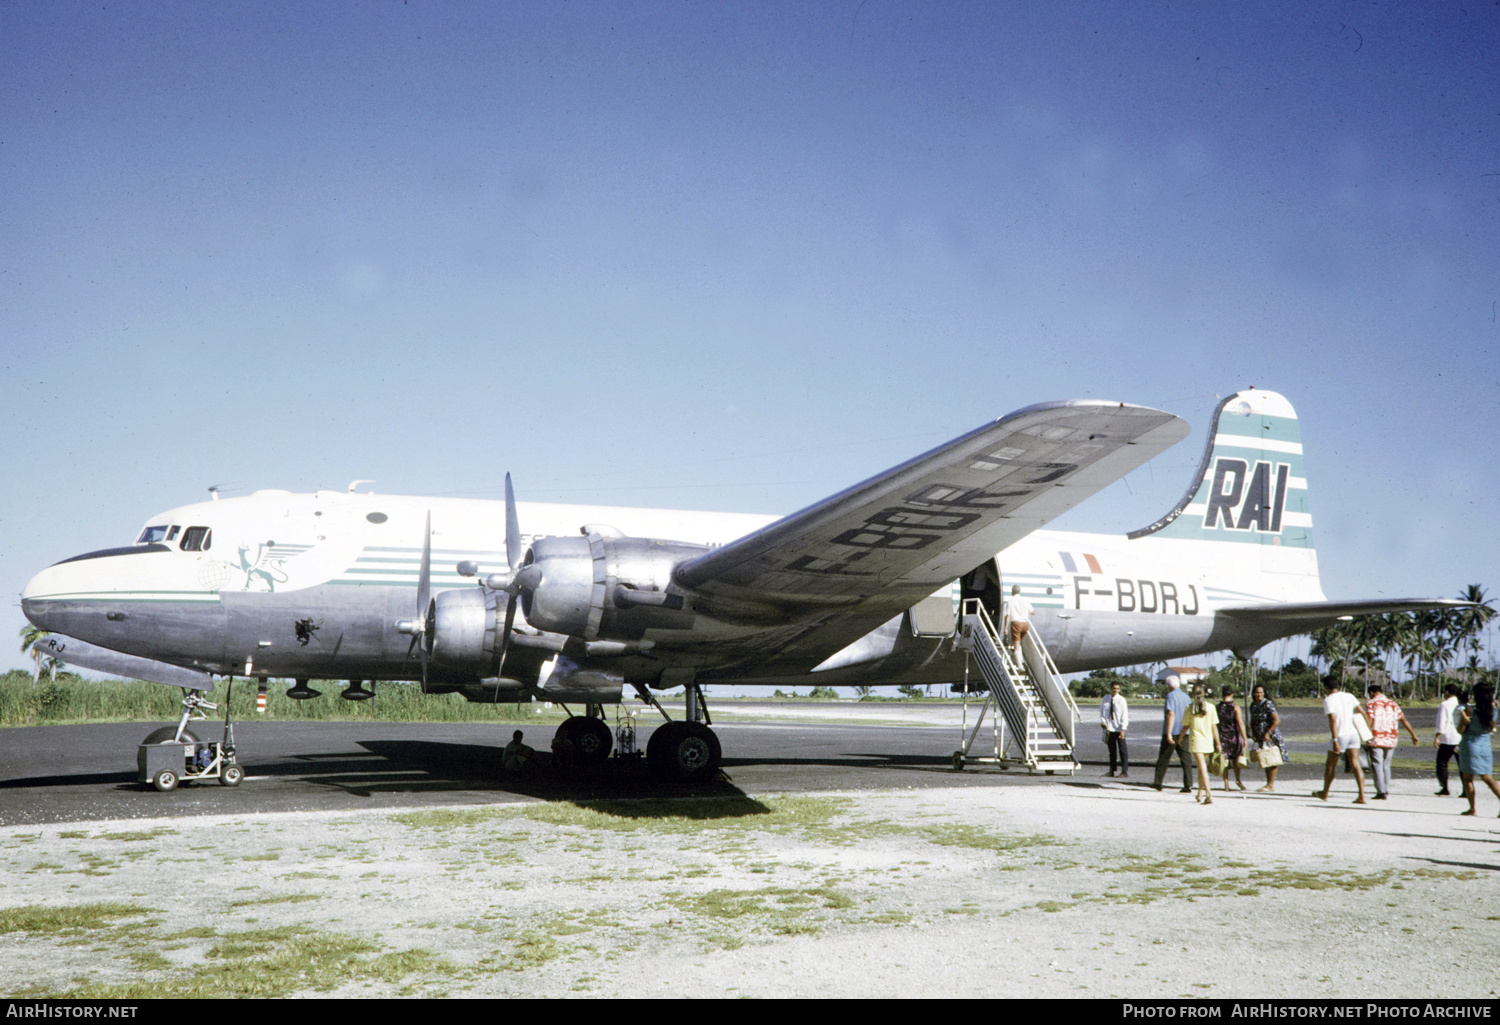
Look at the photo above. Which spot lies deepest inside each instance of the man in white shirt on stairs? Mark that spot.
(1018, 615)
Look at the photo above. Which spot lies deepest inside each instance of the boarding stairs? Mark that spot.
(1033, 715)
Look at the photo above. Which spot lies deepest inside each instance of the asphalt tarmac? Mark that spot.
(88, 773)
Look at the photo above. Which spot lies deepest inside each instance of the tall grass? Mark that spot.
(72, 699)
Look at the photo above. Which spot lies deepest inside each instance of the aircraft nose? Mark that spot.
(40, 600)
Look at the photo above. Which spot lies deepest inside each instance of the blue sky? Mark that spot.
(738, 256)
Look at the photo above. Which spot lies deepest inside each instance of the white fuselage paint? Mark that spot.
(1100, 599)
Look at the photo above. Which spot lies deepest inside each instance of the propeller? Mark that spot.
(512, 558)
(420, 629)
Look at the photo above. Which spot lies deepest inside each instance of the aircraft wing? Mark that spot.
(848, 563)
(84, 655)
(1333, 610)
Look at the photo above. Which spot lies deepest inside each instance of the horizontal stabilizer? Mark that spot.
(1331, 610)
(84, 655)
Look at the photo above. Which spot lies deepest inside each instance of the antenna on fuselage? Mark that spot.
(356, 483)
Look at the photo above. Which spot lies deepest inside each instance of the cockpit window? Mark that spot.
(172, 533)
(197, 539)
(152, 535)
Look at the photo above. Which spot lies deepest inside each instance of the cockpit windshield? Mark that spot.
(153, 535)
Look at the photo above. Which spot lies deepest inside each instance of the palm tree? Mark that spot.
(1469, 623)
(31, 638)
(1329, 644)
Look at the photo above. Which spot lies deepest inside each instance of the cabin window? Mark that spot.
(152, 535)
(197, 539)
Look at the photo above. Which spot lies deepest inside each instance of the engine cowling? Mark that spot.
(603, 587)
(466, 629)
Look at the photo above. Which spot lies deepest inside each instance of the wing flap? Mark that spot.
(884, 544)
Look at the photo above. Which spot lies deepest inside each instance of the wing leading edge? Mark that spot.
(847, 563)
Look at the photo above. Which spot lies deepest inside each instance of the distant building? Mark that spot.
(1186, 675)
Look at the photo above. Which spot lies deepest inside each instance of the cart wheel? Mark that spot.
(165, 780)
(232, 776)
(958, 761)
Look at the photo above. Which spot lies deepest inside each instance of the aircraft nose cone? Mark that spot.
(35, 613)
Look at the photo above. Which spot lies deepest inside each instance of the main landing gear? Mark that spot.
(684, 751)
(589, 736)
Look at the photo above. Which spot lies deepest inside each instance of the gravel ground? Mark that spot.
(1083, 888)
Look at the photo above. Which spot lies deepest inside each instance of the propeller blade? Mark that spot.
(510, 619)
(512, 527)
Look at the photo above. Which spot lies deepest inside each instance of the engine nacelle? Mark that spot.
(467, 624)
(599, 586)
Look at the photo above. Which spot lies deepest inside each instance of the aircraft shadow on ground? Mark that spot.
(852, 760)
(81, 780)
(448, 767)
(1481, 866)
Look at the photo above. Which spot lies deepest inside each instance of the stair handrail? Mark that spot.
(1012, 706)
(1048, 683)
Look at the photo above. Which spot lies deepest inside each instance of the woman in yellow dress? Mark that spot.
(1201, 723)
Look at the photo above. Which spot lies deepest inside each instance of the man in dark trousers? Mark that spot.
(1172, 735)
(1114, 717)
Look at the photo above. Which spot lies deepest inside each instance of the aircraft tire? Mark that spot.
(232, 776)
(166, 733)
(685, 752)
(165, 780)
(592, 740)
(958, 761)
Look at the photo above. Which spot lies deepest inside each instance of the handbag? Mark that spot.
(1216, 763)
(1268, 756)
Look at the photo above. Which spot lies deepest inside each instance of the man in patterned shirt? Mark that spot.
(1385, 716)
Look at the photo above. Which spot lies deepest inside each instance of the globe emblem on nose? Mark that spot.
(214, 575)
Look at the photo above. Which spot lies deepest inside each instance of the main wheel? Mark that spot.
(592, 739)
(165, 780)
(958, 761)
(167, 733)
(684, 751)
(232, 776)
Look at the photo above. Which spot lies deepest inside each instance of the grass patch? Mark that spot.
(532, 950)
(279, 963)
(53, 921)
(286, 898)
(198, 932)
(71, 699)
(658, 815)
(976, 838)
(150, 834)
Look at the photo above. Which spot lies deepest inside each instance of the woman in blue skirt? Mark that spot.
(1475, 724)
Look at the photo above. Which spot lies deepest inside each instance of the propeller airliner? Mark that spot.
(515, 600)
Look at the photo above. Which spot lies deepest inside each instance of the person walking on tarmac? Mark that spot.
(1172, 737)
(1018, 614)
(1344, 718)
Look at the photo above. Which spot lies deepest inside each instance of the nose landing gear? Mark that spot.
(170, 756)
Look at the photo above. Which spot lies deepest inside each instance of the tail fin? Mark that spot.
(1250, 487)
